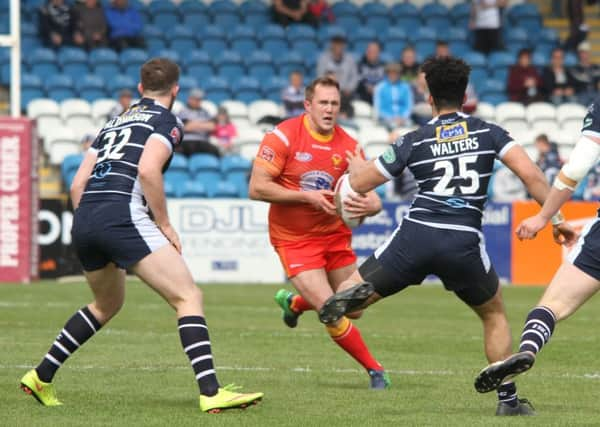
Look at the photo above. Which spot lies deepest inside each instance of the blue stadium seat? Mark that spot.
(203, 163)
(525, 15)
(253, 6)
(363, 34)
(500, 60)
(404, 9)
(306, 48)
(459, 48)
(121, 81)
(195, 20)
(271, 31)
(460, 12)
(89, 81)
(272, 87)
(380, 23)
(133, 56)
(244, 45)
(296, 32)
(570, 59)
(217, 89)
(475, 60)
(424, 48)
(28, 29)
(193, 189)
(174, 182)
(423, 33)
(214, 46)
(201, 71)
(196, 57)
(326, 32)
(210, 180)
(349, 23)
(514, 36)
(188, 82)
(179, 163)
(182, 40)
(103, 55)
(540, 59)
(58, 81)
(276, 47)
(478, 77)
(494, 98)
(456, 34)
(234, 163)
(28, 95)
(59, 94)
(166, 21)
(246, 89)
(92, 94)
(259, 64)
(395, 47)
(434, 9)
(240, 180)
(493, 86)
(371, 9)
(231, 71)
(31, 81)
(288, 62)
(170, 54)
(152, 31)
(226, 19)
(192, 6)
(156, 7)
(345, 8)
(218, 6)
(257, 20)
(73, 61)
(43, 62)
(223, 189)
(394, 33)
(437, 22)
(409, 23)
(500, 74)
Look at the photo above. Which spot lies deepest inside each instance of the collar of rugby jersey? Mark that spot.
(316, 135)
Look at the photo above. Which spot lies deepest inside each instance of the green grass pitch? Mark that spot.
(134, 372)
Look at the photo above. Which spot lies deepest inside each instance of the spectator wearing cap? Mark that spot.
(371, 71)
(198, 124)
(486, 24)
(342, 64)
(286, 12)
(224, 131)
(90, 24)
(125, 25)
(292, 96)
(585, 74)
(124, 102)
(56, 23)
(558, 82)
(393, 99)
(524, 82)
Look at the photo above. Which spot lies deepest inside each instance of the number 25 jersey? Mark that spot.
(452, 159)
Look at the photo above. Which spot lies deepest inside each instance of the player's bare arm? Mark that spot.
(517, 160)
(81, 177)
(263, 187)
(153, 158)
(364, 175)
(582, 159)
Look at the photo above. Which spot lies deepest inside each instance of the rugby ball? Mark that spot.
(342, 191)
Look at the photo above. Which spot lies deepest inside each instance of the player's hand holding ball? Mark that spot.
(353, 207)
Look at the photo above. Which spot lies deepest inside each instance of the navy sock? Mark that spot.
(78, 329)
(196, 344)
(507, 393)
(538, 329)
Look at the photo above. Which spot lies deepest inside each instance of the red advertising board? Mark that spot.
(534, 262)
(18, 201)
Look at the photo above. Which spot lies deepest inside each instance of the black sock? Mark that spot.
(78, 329)
(196, 344)
(538, 329)
(507, 393)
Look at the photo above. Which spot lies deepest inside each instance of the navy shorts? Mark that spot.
(586, 252)
(121, 233)
(415, 251)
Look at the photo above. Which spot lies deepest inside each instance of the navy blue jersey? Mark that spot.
(591, 122)
(119, 147)
(452, 159)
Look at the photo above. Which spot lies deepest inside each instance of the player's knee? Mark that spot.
(108, 308)
(191, 296)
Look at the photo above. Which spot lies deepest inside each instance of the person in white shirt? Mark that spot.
(486, 23)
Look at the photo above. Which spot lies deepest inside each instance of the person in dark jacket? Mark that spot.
(56, 23)
(524, 82)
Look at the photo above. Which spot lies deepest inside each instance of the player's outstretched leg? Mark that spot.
(292, 306)
(345, 301)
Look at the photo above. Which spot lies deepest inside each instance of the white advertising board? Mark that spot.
(226, 240)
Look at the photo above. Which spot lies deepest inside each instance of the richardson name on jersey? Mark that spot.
(453, 139)
(133, 116)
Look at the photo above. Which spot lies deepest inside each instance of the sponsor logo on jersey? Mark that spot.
(587, 122)
(337, 160)
(101, 170)
(175, 135)
(456, 203)
(389, 155)
(267, 153)
(316, 180)
(321, 147)
(452, 132)
(303, 157)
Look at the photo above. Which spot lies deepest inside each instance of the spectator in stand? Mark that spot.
(321, 11)
(442, 49)
(224, 131)
(370, 71)
(586, 75)
(125, 25)
(198, 125)
(392, 99)
(125, 99)
(524, 82)
(578, 30)
(90, 24)
(548, 158)
(293, 95)
(591, 190)
(506, 187)
(558, 83)
(337, 61)
(56, 23)
(486, 23)
(286, 12)
(410, 66)
(421, 111)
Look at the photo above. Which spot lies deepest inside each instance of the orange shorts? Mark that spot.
(329, 252)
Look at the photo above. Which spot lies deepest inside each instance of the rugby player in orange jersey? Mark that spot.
(297, 166)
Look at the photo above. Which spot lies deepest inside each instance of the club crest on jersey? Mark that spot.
(175, 135)
(337, 160)
(303, 157)
(267, 153)
(453, 132)
(316, 180)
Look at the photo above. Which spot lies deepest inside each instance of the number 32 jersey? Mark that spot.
(119, 147)
(452, 159)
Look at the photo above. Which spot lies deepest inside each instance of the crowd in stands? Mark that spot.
(255, 50)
